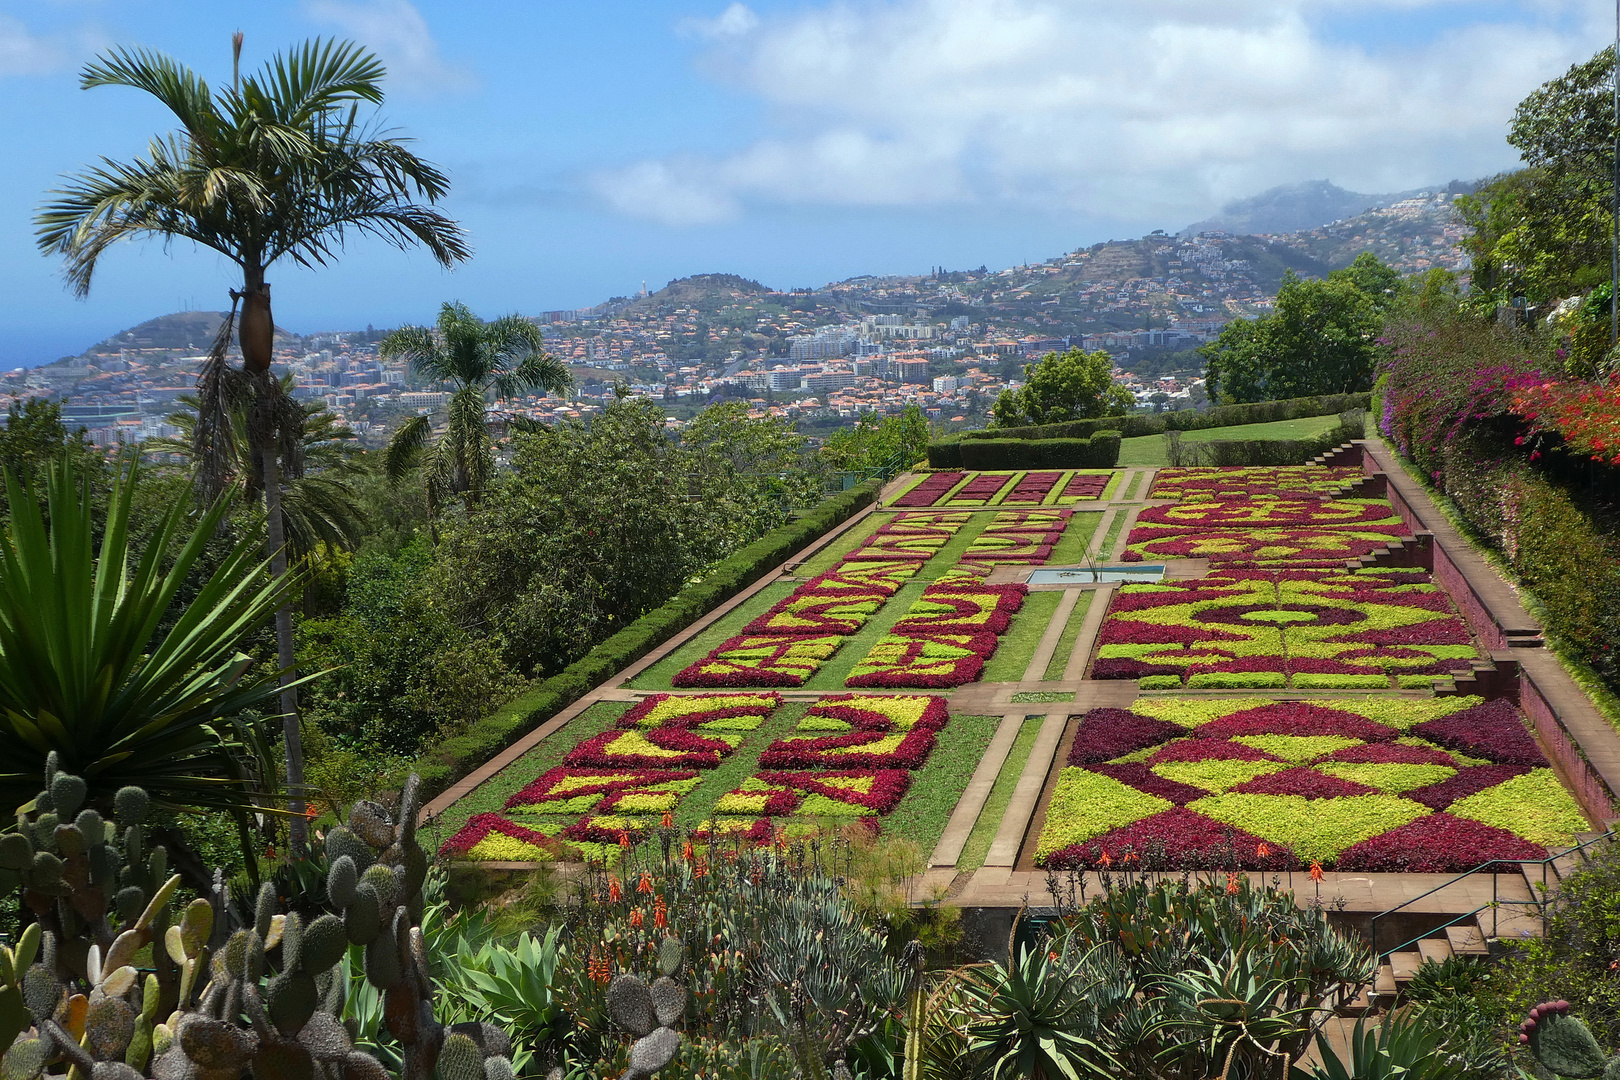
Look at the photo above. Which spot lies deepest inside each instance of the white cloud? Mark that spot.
(1156, 109)
(736, 21)
(399, 35)
(22, 53)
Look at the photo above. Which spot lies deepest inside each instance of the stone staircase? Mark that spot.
(1341, 456)
(1518, 916)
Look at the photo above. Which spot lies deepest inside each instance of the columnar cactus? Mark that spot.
(224, 1001)
(1564, 1046)
(650, 1013)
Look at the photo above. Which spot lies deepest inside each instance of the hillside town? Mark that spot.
(948, 342)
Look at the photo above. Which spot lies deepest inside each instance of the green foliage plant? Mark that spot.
(88, 668)
(1072, 385)
(1401, 1047)
(503, 359)
(230, 994)
(875, 441)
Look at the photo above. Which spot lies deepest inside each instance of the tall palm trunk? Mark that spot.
(257, 338)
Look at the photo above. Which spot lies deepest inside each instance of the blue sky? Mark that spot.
(596, 145)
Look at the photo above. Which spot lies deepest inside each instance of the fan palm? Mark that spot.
(502, 359)
(87, 672)
(280, 165)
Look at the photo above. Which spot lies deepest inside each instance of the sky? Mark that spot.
(595, 146)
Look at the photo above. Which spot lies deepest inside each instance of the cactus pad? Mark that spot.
(1565, 1045)
(370, 821)
(654, 1051)
(340, 842)
(41, 992)
(383, 881)
(109, 1023)
(216, 1044)
(16, 853)
(671, 953)
(669, 1001)
(196, 925)
(631, 1006)
(340, 881)
(498, 1068)
(362, 919)
(69, 840)
(130, 806)
(25, 1060)
(290, 999)
(324, 943)
(67, 794)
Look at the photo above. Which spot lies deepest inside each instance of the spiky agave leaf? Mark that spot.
(84, 670)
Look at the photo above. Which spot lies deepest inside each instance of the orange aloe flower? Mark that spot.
(636, 918)
(1316, 870)
(645, 885)
(615, 893)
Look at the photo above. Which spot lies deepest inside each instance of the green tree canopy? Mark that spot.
(1321, 338)
(1072, 385)
(875, 441)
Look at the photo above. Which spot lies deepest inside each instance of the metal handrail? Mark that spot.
(1496, 901)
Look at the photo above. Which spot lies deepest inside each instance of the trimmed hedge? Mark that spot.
(1228, 452)
(456, 756)
(1101, 451)
(1135, 426)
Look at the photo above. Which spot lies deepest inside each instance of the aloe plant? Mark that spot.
(90, 670)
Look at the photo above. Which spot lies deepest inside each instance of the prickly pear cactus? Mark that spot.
(650, 1013)
(1563, 1045)
(225, 1001)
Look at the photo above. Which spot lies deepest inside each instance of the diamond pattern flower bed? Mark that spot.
(1374, 785)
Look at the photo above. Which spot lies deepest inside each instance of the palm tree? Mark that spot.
(87, 671)
(502, 359)
(279, 165)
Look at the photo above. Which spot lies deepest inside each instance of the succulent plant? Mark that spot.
(228, 997)
(1563, 1045)
(650, 1013)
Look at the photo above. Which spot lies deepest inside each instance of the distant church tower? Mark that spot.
(643, 286)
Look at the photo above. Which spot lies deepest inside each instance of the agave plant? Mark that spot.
(1032, 1019)
(87, 669)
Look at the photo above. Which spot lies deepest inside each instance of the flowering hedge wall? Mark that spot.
(1376, 784)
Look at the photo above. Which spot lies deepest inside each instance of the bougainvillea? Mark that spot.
(760, 660)
(1586, 414)
(931, 661)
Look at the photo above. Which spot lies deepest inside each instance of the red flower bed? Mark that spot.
(924, 662)
(1296, 718)
(840, 707)
(647, 706)
(1437, 844)
(1105, 734)
(1086, 486)
(545, 788)
(1142, 778)
(1202, 749)
(1304, 782)
(888, 785)
(963, 609)
(1468, 781)
(1033, 487)
(689, 750)
(1175, 839)
(932, 487)
(842, 751)
(982, 488)
(481, 825)
(1268, 514)
(1391, 753)
(1130, 632)
(587, 831)
(1129, 669)
(1492, 731)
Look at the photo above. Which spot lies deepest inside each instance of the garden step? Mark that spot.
(1514, 922)
(1409, 552)
(1359, 1005)
(1437, 949)
(1372, 486)
(1346, 454)
(1536, 874)
(1404, 965)
(1490, 679)
(1565, 861)
(1384, 981)
(1466, 939)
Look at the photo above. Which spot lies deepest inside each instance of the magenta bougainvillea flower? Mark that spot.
(1105, 734)
(1492, 731)
(1437, 844)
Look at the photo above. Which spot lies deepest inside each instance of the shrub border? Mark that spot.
(453, 759)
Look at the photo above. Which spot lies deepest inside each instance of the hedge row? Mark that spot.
(1259, 412)
(1273, 452)
(1101, 451)
(460, 754)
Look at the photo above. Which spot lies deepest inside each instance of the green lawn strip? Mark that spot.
(1007, 489)
(1106, 552)
(937, 787)
(1051, 498)
(657, 676)
(830, 556)
(1071, 546)
(1150, 449)
(1071, 633)
(1017, 646)
(1129, 491)
(832, 674)
(1113, 484)
(743, 763)
(492, 794)
(954, 549)
(984, 829)
(913, 482)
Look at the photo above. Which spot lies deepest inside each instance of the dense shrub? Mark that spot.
(482, 740)
(1100, 451)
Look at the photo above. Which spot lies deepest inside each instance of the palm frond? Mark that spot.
(405, 449)
(179, 88)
